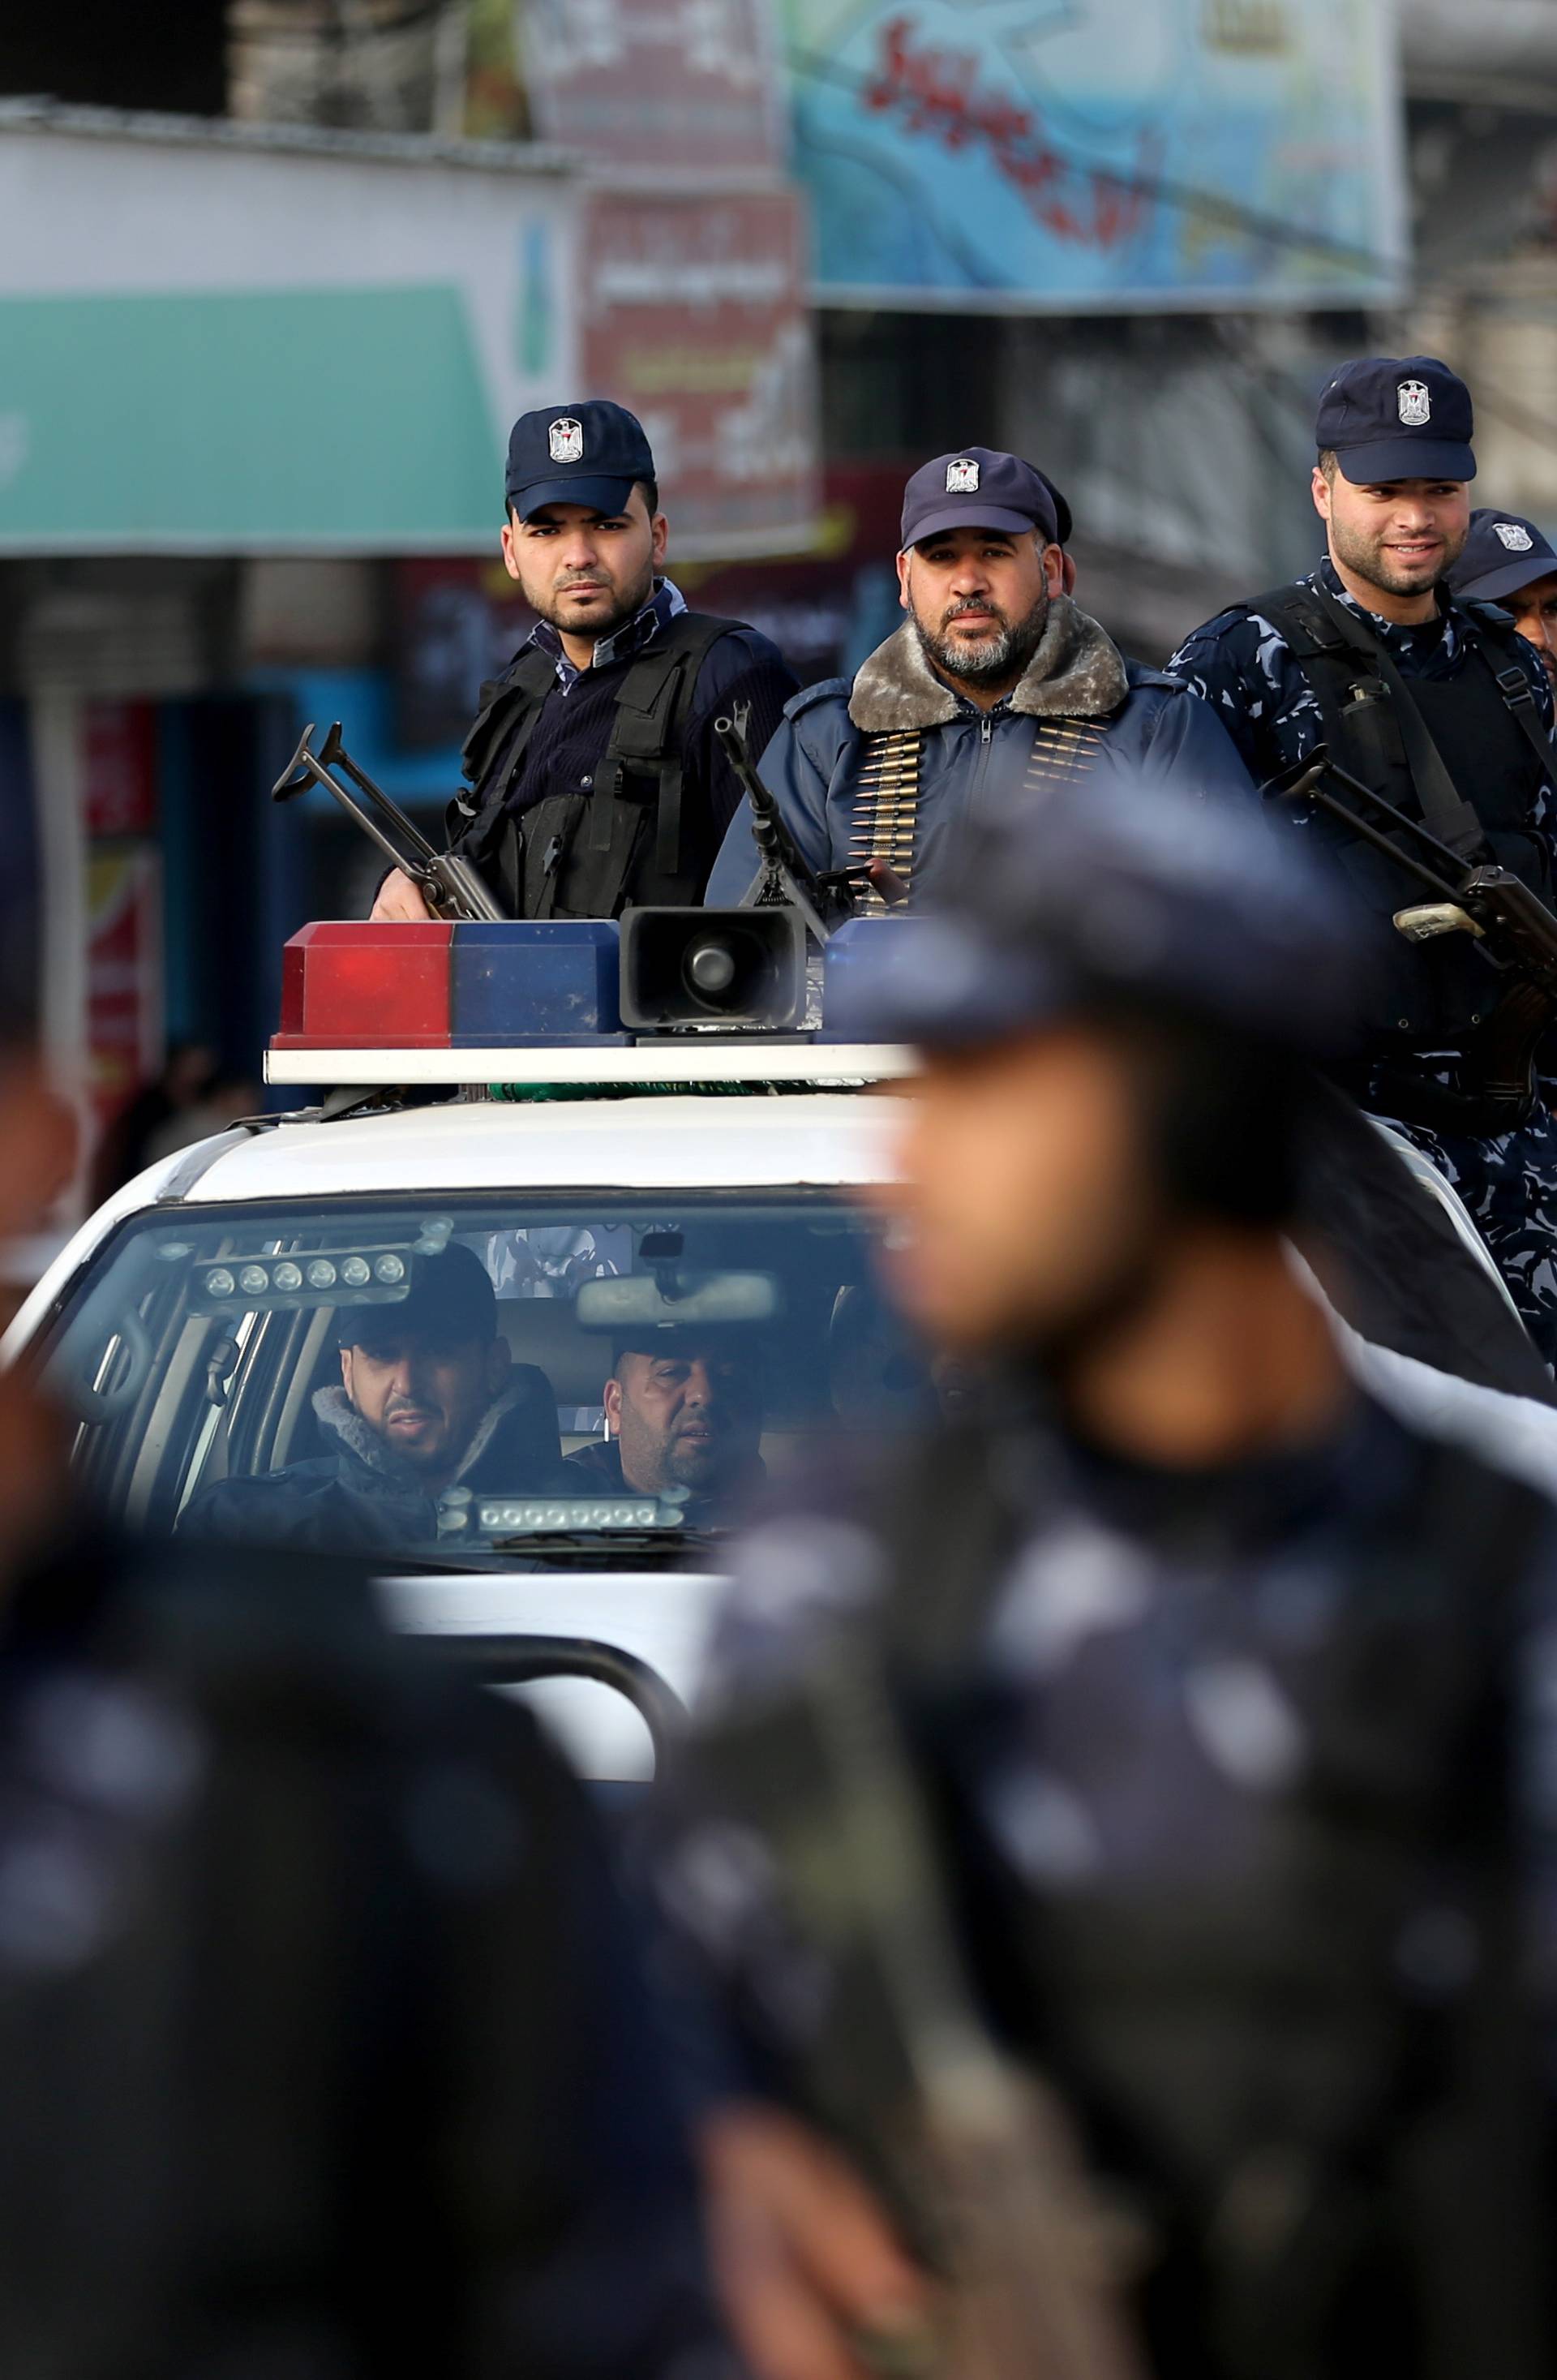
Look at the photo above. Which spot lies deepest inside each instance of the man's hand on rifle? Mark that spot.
(399, 902)
(806, 2262)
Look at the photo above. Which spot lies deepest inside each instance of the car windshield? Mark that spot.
(489, 1383)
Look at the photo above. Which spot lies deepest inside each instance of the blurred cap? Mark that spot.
(590, 454)
(1397, 417)
(1503, 553)
(452, 1303)
(1141, 893)
(977, 488)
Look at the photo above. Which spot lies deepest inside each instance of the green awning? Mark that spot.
(324, 419)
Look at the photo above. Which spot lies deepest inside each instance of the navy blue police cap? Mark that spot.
(979, 488)
(588, 453)
(1145, 893)
(1397, 417)
(1504, 552)
(452, 1303)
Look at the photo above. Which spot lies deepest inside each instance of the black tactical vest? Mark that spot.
(589, 855)
(1484, 723)
(1329, 2073)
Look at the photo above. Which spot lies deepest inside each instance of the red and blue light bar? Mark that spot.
(351, 984)
(353, 988)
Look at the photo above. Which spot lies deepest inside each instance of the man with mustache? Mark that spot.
(595, 780)
(685, 1411)
(997, 687)
(1432, 700)
(428, 1398)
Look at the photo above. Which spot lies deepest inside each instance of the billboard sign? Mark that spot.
(695, 315)
(1067, 154)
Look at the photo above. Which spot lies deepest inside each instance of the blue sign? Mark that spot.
(1068, 155)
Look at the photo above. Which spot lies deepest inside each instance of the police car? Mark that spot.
(484, 1093)
(699, 1173)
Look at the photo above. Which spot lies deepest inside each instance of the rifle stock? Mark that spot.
(453, 888)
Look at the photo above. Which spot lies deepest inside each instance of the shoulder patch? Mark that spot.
(826, 689)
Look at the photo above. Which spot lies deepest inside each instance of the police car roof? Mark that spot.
(798, 1139)
(674, 1141)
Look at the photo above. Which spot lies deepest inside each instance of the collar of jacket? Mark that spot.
(1077, 672)
(338, 1417)
(663, 606)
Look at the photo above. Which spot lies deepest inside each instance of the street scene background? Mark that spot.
(276, 277)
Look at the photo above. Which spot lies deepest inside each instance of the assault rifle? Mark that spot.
(1517, 930)
(825, 901)
(451, 887)
(975, 2155)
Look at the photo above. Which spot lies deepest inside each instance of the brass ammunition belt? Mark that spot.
(886, 817)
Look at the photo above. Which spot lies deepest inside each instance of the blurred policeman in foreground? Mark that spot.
(1224, 1700)
(996, 684)
(595, 776)
(1506, 559)
(321, 2045)
(1428, 697)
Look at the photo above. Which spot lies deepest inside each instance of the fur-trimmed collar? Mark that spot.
(1076, 673)
(335, 1413)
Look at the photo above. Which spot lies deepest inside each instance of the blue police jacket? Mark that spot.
(970, 758)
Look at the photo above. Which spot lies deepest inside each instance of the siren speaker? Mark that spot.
(713, 966)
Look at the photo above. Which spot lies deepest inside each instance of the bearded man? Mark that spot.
(998, 687)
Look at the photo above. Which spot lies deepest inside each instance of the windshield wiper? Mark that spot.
(649, 1540)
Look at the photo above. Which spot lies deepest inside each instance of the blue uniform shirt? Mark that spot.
(1242, 666)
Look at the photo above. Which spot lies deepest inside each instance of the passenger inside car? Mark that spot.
(684, 1410)
(429, 1397)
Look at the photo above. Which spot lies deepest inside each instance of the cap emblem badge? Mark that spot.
(1416, 405)
(1514, 535)
(565, 439)
(962, 476)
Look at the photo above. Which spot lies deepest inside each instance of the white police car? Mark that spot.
(191, 1326)
(690, 1180)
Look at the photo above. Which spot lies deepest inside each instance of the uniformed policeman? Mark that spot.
(1224, 1696)
(1433, 700)
(1508, 561)
(996, 684)
(595, 777)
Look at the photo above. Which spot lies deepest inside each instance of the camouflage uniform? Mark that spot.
(1240, 664)
(1167, 1681)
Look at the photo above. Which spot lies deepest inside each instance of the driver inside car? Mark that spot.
(428, 1399)
(684, 1409)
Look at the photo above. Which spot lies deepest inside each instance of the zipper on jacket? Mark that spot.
(987, 728)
